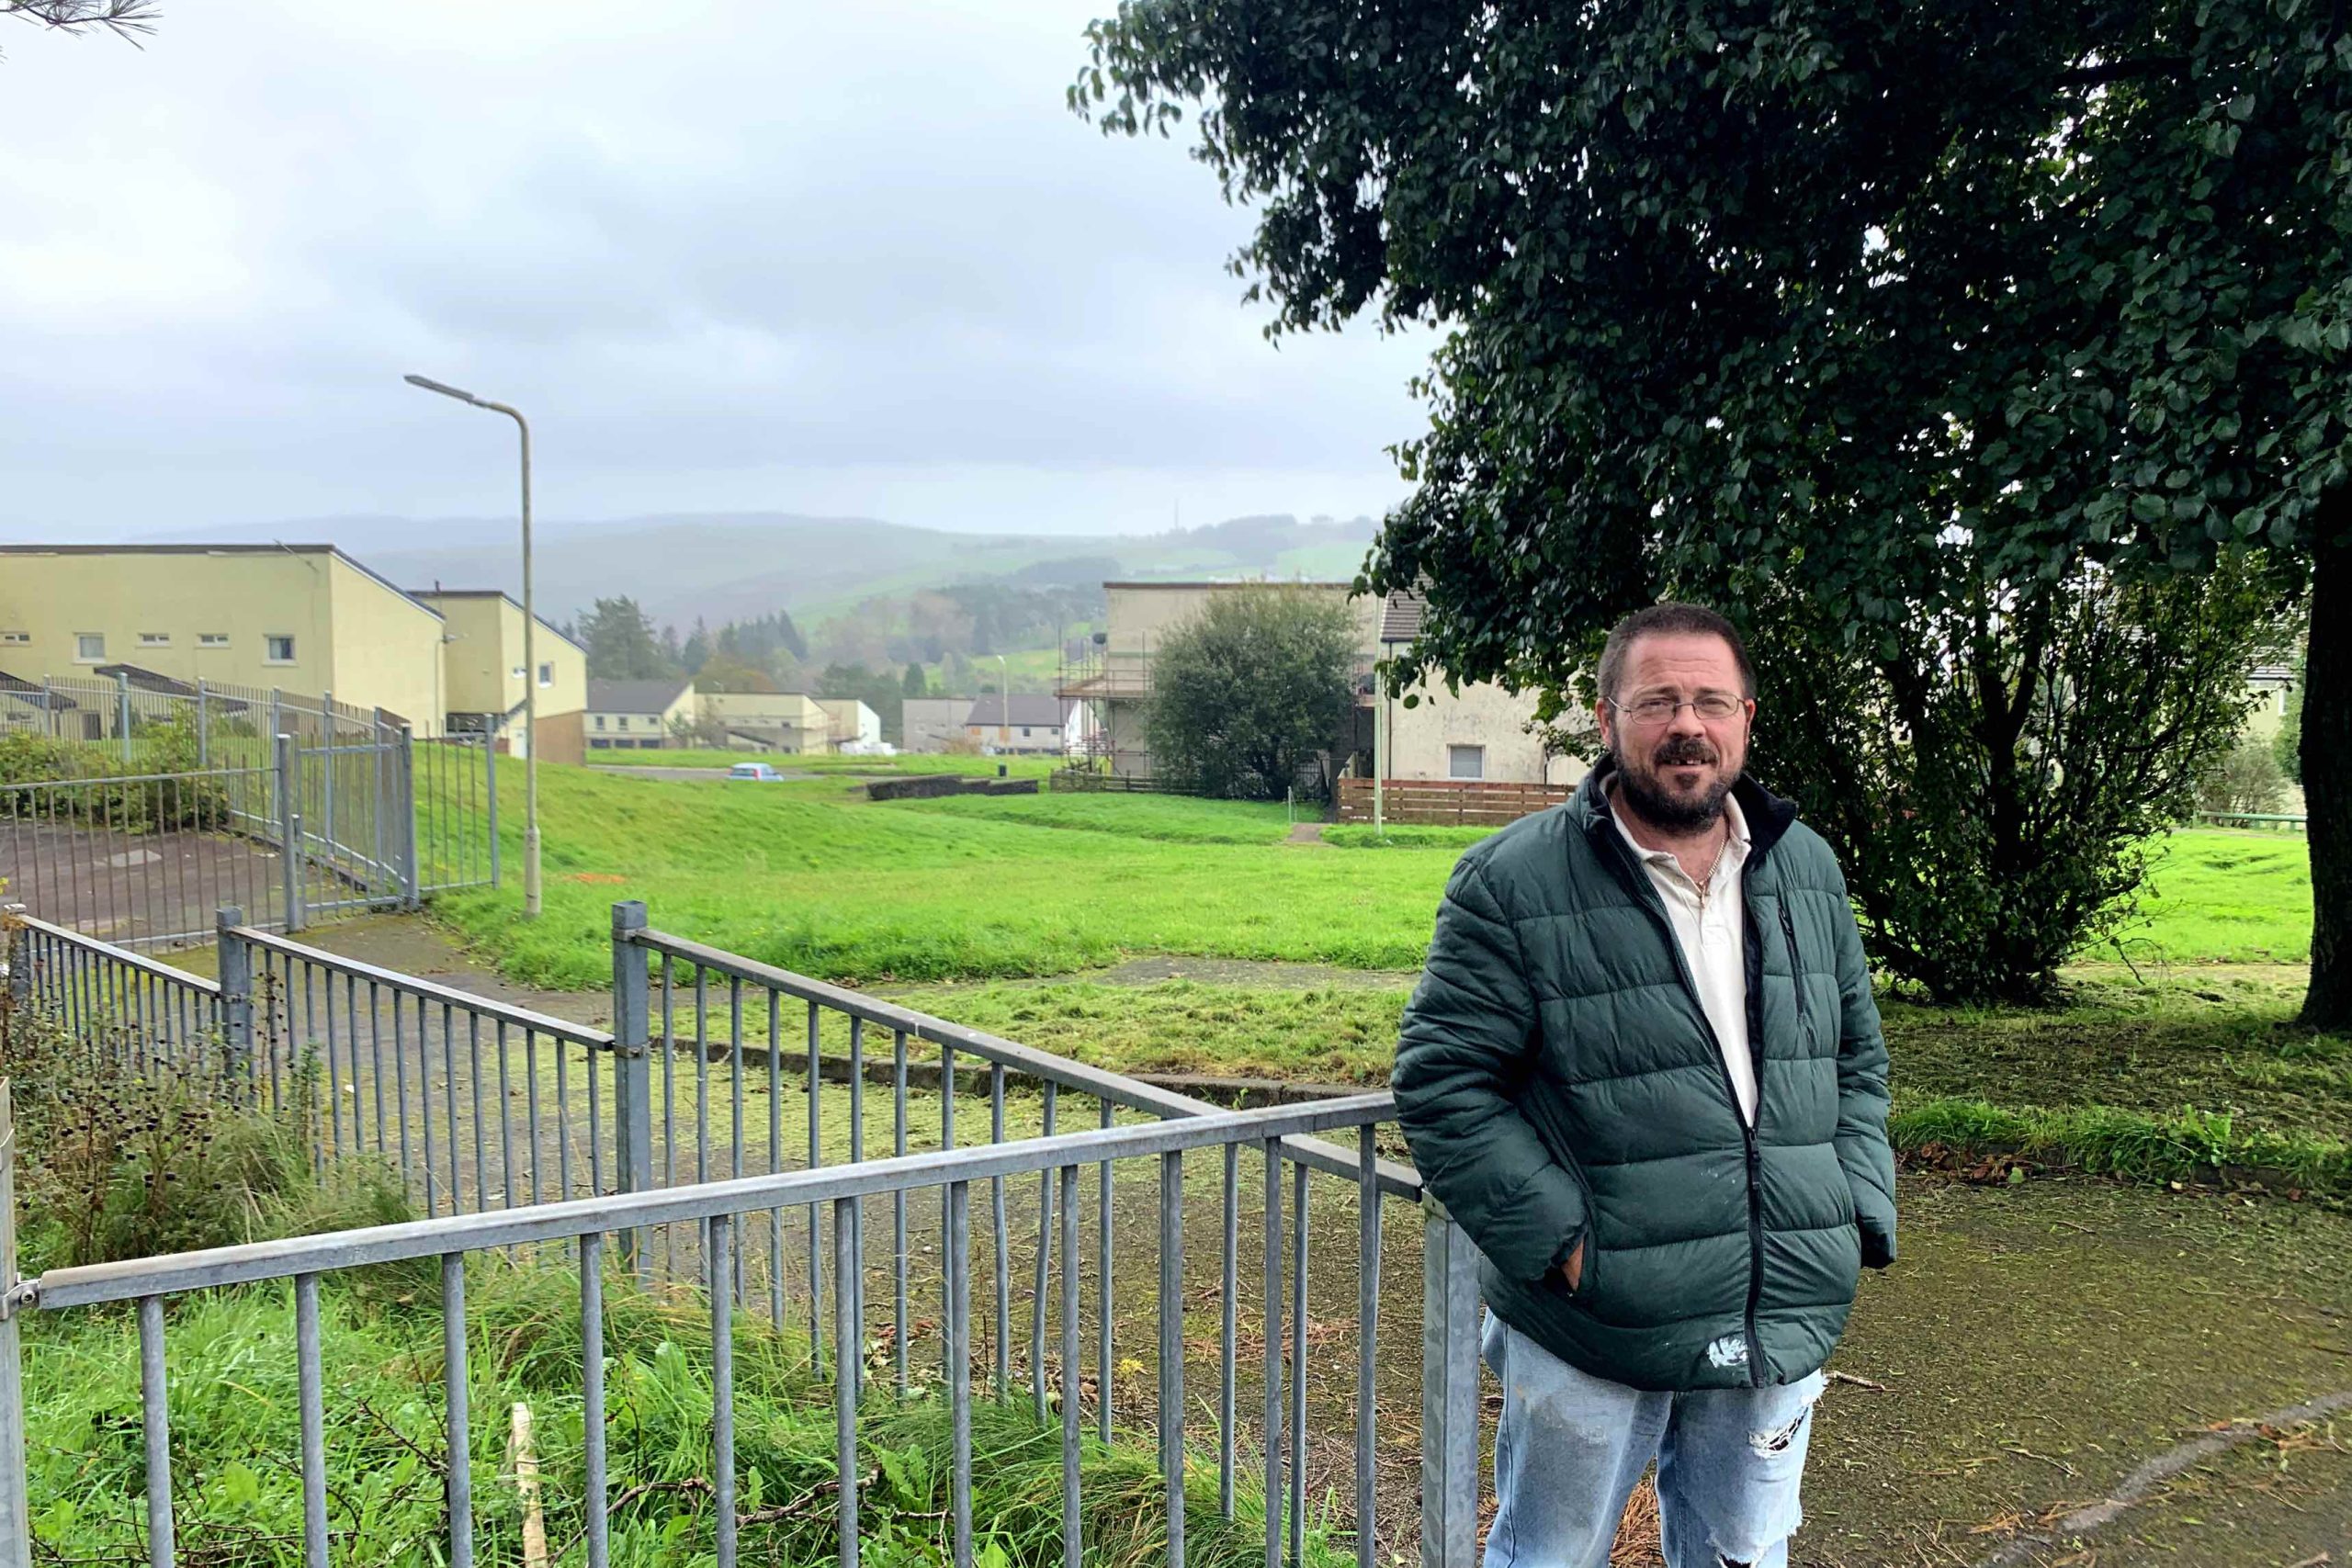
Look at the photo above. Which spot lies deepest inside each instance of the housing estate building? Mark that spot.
(484, 678)
(1019, 724)
(639, 715)
(252, 619)
(1480, 735)
(932, 724)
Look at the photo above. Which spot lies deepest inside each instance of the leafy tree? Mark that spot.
(878, 689)
(1248, 699)
(620, 643)
(1873, 312)
(1991, 784)
(724, 672)
(914, 684)
(2243, 778)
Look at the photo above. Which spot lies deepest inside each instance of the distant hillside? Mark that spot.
(726, 566)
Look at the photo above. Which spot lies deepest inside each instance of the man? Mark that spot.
(1643, 1070)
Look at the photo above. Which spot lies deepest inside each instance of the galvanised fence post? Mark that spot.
(234, 965)
(15, 1517)
(122, 709)
(15, 954)
(632, 1082)
(405, 824)
(203, 729)
(289, 833)
(490, 792)
(1449, 1392)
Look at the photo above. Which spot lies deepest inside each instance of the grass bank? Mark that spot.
(829, 762)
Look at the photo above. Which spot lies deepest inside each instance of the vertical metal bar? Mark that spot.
(775, 1156)
(669, 1105)
(234, 962)
(425, 1097)
(1273, 1297)
(718, 1249)
(562, 1118)
(947, 1141)
(847, 1358)
(1172, 1348)
(278, 1011)
(735, 1098)
(1002, 1238)
(702, 1074)
(1044, 1262)
(1229, 1313)
(632, 1091)
(1070, 1415)
(289, 833)
(505, 1120)
(1298, 1366)
(531, 1102)
(481, 1156)
(856, 1154)
(1102, 1277)
(959, 1364)
(156, 1410)
(449, 1091)
(1449, 1393)
(453, 1378)
(816, 1158)
(898, 1208)
(376, 1069)
(15, 1511)
(490, 796)
(310, 1376)
(592, 1390)
(1367, 1337)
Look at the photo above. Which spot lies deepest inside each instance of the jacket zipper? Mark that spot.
(1648, 896)
(1796, 975)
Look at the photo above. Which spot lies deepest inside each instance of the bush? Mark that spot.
(122, 1158)
(2243, 778)
(1248, 700)
(103, 793)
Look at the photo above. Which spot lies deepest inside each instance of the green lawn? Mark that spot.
(811, 875)
(829, 762)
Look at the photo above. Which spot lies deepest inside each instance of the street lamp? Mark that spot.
(530, 656)
(1003, 701)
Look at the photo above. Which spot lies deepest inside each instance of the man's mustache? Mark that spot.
(1684, 750)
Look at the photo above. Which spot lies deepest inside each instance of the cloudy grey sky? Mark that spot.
(730, 254)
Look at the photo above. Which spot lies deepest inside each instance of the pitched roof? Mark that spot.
(1031, 708)
(1400, 618)
(634, 696)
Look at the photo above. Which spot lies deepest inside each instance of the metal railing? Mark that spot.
(124, 1005)
(470, 1098)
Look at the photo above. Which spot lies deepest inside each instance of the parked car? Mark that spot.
(756, 771)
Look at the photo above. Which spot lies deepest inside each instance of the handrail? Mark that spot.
(506, 1012)
(1396, 1180)
(122, 956)
(92, 1284)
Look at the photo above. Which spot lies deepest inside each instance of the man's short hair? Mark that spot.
(1673, 620)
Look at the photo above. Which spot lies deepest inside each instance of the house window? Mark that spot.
(1024, 731)
(516, 674)
(212, 639)
(17, 638)
(89, 648)
(154, 639)
(277, 648)
(600, 721)
(546, 674)
(624, 721)
(1465, 761)
(598, 745)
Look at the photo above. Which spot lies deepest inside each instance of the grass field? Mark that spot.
(829, 762)
(811, 875)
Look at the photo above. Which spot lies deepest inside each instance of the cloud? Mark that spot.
(728, 255)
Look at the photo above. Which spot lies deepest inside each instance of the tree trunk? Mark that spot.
(2327, 767)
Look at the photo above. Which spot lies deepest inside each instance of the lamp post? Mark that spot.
(530, 655)
(1003, 701)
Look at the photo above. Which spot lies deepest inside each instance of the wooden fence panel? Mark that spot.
(1469, 803)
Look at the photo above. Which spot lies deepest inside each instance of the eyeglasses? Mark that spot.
(1712, 707)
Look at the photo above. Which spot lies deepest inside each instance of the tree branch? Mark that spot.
(124, 18)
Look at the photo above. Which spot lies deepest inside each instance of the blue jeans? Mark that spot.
(1572, 1447)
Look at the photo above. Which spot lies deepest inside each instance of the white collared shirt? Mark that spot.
(1711, 924)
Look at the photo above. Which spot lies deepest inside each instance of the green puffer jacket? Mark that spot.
(1559, 1083)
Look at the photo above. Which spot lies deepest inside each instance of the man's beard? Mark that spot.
(1646, 794)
